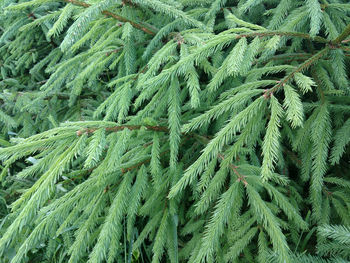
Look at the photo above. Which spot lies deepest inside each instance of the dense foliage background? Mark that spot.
(175, 131)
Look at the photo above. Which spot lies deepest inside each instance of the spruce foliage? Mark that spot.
(174, 131)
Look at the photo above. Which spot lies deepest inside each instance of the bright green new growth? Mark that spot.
(174, 131)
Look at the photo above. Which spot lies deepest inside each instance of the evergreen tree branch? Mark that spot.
(171, 130)
(60, 96)
(115, 16)
(241, 178)
(342, 36)
(286, 58)
(286, 34)
(123, 127)
(205, 140)
(299, 69)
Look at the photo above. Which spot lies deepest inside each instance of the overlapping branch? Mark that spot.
(123, 127)
(115, 16)
(342, 36)
(285, 34)
(301, 68)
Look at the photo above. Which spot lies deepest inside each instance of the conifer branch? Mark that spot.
(139, 164)
(115, 16)
(241, 178)
(319, 85)
(174, 128)
(346, 49)
(301, 68)
(286, 58)
(291, 56)
(342, 36)
(123, 127)
(205, 140)
(60, 96)
(128, 169)
(282, 33)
